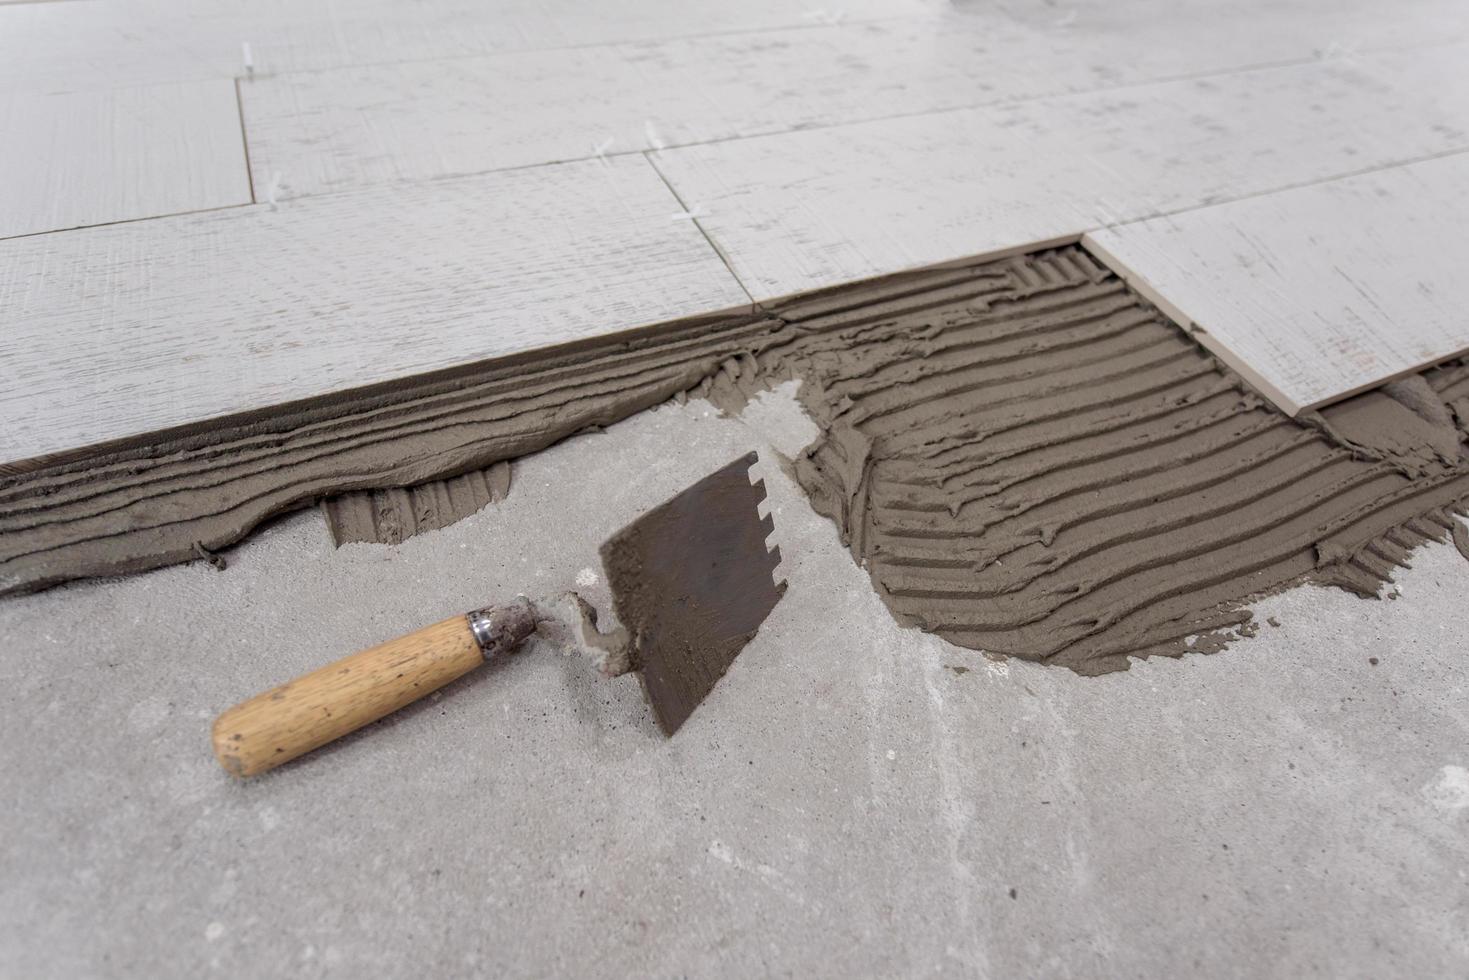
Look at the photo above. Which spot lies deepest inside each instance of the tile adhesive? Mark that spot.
(1025, 456)
(1031, 460)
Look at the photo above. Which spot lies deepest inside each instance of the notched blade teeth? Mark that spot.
(779, 584)
(751, 460)
(767, 524)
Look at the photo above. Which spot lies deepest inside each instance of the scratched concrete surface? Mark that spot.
(853, 799)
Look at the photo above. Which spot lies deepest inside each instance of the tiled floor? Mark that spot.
(726, 155)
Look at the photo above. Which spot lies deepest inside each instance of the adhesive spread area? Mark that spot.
(1025, 456)
(1030, 460)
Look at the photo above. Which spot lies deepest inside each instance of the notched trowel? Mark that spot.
(691, 582)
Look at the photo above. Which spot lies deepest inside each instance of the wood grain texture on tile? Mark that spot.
(342, 128)
(808, 209)
(1319, 292)
(108, 43)
(89, 158)
(208, 315)
(365, 125)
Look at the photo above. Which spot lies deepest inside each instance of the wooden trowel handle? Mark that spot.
(310, 711)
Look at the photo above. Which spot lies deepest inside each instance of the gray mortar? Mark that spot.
(853, 798)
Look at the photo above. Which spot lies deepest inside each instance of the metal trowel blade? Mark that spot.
(691, 583)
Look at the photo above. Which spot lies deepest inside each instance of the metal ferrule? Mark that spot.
(500, 629)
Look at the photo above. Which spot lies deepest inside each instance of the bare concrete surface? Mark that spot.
(853, 799)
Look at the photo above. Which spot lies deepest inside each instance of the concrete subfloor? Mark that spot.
(853, 799)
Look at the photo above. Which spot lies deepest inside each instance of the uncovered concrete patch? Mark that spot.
(846, 802)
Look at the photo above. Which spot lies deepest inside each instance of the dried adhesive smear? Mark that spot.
(1025, 456)
(391, 515)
